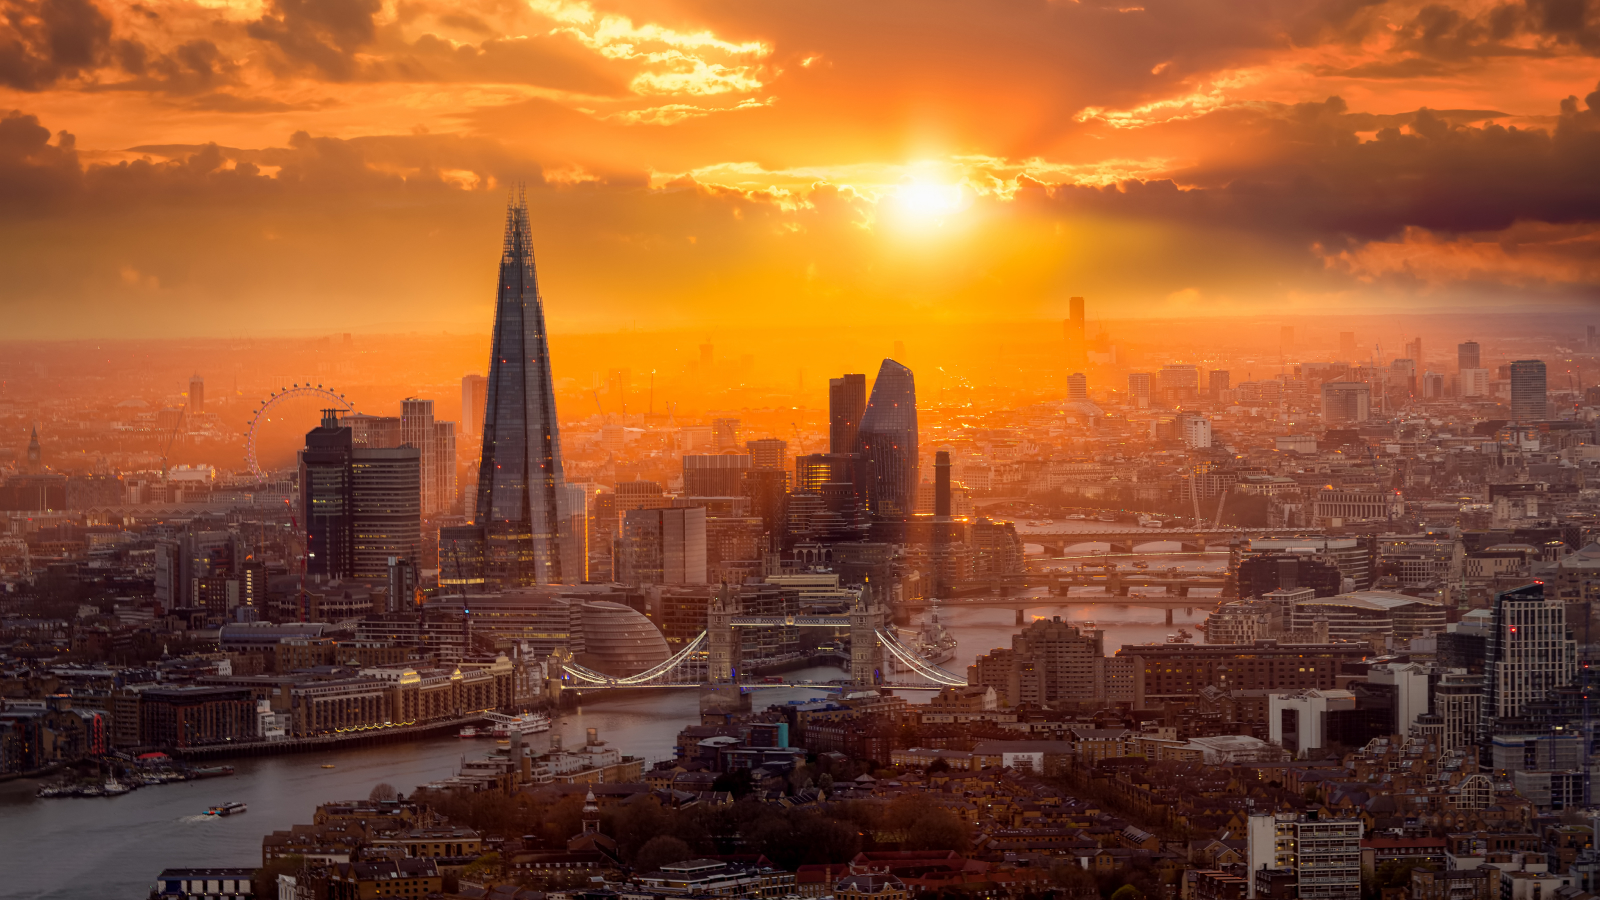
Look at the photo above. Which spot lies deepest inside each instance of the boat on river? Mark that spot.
(527, 723)
(231, 808)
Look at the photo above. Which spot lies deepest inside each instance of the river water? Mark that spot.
(97, 848)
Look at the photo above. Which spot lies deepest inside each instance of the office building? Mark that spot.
(1179, 672)
(1321, 855)
(768, 492)
(1355, 559)
(714, 476)
(847, 400)
(1473, 382)
(887, 443)
(1217, 381)
(1458, 700)
(604, 530)
(474, 394)
(1075, 331)
(517, 499)
(664, 546)
(1346, 402)
(436, 442)
(385, 509)
(768, 453)
(1529, 653)
(572, 533)
(1194, 431)
(325, 501)
(197, 394)
(1077, 386)
(1179, 383)
(1467, 356)
(1140, 387)
(1528, 401)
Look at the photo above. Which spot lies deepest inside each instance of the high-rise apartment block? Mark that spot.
(1529, 653)
(517, 497)
(197, 394)
(1048, 662)
(1179, 382)
(1217, 381)
(1140, 387)
(847, 400)
(1528, 399)
(1467, 356)
(1077, 386)
(436, 442)
(1320, 856)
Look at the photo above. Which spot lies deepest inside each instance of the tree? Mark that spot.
(484, 867)
(940, 829)
(382, 792)
(636, 822)
(738, 783)
(661, 850)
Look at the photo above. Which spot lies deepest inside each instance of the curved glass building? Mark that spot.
(887, 443)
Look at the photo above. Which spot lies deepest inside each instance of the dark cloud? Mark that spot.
(321, 34)
(45, 41)
(1323, 184)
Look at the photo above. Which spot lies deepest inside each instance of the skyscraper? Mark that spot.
(847, 400)
(474, 393)
(1529, 654)
(436, 441)
(197, 394)
(1528, 403)
(521, 468)
(1467, 356)
(325, 496)
(887, 442)
(1077, 386)
(361, 506)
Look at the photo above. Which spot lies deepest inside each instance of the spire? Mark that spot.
(35, 452)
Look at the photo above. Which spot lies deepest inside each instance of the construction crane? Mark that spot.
(602, 410)
(799, 442)
(167, 451)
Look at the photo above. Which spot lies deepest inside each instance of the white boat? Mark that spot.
(231, 808)
(114, 788)
(527, 723)
(469, 731)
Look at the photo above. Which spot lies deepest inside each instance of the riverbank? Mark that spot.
(359, 738)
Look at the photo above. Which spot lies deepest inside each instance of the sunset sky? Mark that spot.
(193, 168)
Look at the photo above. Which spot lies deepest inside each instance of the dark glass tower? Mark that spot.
(887, 443)
(847, 399)
(521, 469)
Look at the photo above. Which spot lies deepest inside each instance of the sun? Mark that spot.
(928, 200)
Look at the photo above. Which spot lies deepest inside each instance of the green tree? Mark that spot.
(661, 850)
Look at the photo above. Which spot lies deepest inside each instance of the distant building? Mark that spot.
(887, 443)
(768, 453)
(1530, 653)
(197, 394)
(1467, 356)
(664, 546)
(1179, 382)
(1048, 662)
(474, 394)
(714, 476)
(847, 401)
(1140, 387)
(1217, 382)
(1077, 386)
(1528, 397)
(361, 506)
(1346, 402)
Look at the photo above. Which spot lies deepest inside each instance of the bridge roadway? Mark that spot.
(1126, 539)
(1023, 603)
(1173, 582)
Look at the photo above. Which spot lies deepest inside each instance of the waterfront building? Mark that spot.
(887, 443)
(1048, 662)
(517, 500)
(1179, 672)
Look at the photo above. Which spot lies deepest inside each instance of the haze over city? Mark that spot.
(677, 450)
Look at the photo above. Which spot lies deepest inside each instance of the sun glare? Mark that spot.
(929, 199)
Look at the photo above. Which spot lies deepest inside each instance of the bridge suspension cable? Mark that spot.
(917, 664)
(661, 673)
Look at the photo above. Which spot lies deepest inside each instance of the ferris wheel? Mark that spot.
(260, 416)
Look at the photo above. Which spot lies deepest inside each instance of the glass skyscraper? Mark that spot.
(521, 470)
(1528, 398)
(887, 443)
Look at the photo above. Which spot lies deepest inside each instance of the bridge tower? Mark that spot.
(721, 646)
(866, 653)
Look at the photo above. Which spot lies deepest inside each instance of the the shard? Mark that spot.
(887, 443)
(520, 477)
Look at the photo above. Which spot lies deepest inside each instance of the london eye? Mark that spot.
(336, 400)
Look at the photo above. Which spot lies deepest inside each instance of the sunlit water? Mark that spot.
(113, 848)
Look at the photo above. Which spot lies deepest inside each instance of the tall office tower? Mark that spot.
(1529, 653)
(1473, 382)
(385, 509)
(517, 496)
(1414, 351)
(1077, 386)
(474, 393)
(1286, 339)
(436, 441)
(887, 443)
(768, 453)
(1140, 387)
(1217, 381)
(714, 476)
(847, 400)
(1077, 338)
(572, 504)
(603, 533)
(197, 394)
(1528, 401)
(768, 490)
(374, 432)
(1467, 356)
(1347, 347)
(1346, 402)
(664, 546)
(325, 500)
(941, 484)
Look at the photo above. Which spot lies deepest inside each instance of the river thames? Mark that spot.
(98, 848)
